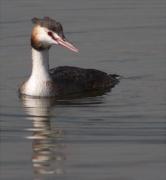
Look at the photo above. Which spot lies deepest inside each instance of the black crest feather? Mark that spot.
(51, 24)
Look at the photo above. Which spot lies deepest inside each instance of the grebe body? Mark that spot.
(64, 80)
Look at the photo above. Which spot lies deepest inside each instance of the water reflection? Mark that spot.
(48, 151)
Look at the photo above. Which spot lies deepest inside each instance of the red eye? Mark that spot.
(50, 33)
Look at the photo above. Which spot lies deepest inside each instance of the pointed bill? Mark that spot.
(67, 45)
(61, 41)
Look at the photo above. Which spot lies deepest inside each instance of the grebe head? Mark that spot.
(48, 32)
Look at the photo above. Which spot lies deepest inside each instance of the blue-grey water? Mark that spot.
(118, 136)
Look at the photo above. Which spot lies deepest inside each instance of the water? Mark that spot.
(118, 136)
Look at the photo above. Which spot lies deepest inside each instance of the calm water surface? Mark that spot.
(118, 136)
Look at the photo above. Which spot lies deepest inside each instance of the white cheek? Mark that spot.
(46, 39)
(52, 41)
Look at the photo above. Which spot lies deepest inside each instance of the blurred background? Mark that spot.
(118, 136)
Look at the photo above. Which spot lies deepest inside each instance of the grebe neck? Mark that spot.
(40, 65)
(40, 82)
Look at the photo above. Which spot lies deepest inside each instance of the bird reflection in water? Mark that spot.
(48, 150)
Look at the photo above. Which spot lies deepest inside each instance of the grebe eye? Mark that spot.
(50, 33)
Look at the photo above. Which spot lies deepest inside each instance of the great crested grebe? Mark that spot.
(64, 80)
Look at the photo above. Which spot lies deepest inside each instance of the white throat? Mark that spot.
(40, 65)
(37, 84)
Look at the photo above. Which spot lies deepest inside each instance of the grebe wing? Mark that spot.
(76, 79)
